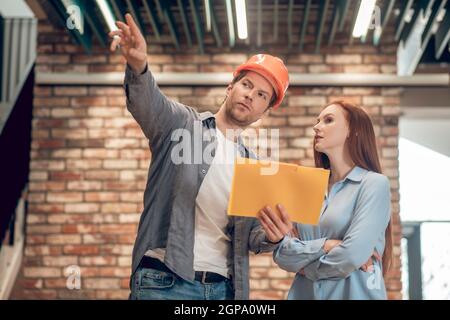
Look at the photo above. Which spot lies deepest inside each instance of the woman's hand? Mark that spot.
(276, 225)
(330, 244)
(368, 266)
(132, 44)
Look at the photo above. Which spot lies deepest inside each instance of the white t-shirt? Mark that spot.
(212, 245)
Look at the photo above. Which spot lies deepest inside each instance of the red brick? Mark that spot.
(53, 59)
(42, 272)
(42, 250)
(66, 175)
(84, 164)
(84, 185)
(64, 197)
(64, 239)
(235, 58)
(70, 91)
(56, 283)
(102, 196)
(98, 261)
(45, 208)
(81, 207)
(51, 102)
(88, 101)
(105, 112)
(117, 228)
(69, 133)
(119, 208)
(121, 185)
(43, 229)
(344, 59)
(48, 185)
(88, 59)
(101, 283)
(48, 123)
(180, 68)
(81, 250)
(135, 154)
(102, 174)
(48, 144)
(62, 261)
(79, 228)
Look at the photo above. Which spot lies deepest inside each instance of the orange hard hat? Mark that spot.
(271, 68)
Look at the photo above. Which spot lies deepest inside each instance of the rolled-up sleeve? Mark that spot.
(294, 254)
(369, 222)
(156, 114)
(258, 242)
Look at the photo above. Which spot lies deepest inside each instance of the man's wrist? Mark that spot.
(271, 242)
(139, 71)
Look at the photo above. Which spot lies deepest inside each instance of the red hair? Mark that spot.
(363, 152)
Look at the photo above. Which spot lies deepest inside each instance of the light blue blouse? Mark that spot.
(356, 211)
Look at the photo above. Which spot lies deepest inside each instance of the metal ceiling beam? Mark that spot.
(258, 23)
(215, 26)
(198, 28)
(386, 11)
(135, 13)
(153, 18)
(94, 23)
(420, 10)
(167, 14)
(289, 21)
(343, 5)
(159, 9)
(118, 9)
(230, 22)
(443, 33)
(275, 21)
(185, 22)
(85, 38)
(323, 7)
(406, 6)
(428, 31)
(304, 24)
(334, 22)
(355, 16)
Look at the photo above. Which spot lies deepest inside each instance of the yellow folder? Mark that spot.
(299, 189)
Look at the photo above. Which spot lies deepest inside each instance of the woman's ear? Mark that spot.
(228, 90)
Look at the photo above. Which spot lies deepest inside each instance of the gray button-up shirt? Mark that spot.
(167, 220)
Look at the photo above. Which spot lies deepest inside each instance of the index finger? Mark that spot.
(133, 26)
(284, 214)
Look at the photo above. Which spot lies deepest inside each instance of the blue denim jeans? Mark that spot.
(151, 284)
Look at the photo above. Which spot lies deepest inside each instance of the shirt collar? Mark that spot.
(208, 116)
(205, 115)
(356, 174)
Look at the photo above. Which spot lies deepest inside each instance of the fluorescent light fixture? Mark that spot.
(107, 14)
(208, 14)
(364, 18)
(241, 16)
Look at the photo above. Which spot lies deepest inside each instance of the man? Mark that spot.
(187, 247)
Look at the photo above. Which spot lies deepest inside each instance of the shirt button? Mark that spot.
(203, 171)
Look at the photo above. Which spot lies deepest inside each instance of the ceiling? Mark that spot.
(421, 27)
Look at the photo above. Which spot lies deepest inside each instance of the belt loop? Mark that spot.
(204, 277)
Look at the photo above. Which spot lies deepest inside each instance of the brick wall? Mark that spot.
(90, 159)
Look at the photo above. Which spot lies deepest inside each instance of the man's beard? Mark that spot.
(233, 117)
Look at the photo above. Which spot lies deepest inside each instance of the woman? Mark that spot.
(340, 257)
